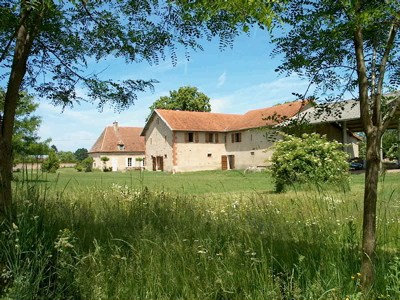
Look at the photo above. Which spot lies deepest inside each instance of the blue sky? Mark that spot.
(236, 80)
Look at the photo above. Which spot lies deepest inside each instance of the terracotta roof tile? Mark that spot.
(111, 137)
(268, 116)
(197, 121)
(206, 121)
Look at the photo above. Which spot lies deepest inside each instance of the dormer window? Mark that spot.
(121, 147)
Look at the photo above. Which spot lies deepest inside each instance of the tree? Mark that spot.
(185, 98)
(26, 123)
(81, 154)
(55, 39)
(51, 163)
(54, 147)
(66, 156)
(349, 46)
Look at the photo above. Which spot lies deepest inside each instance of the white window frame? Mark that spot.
(127, 161)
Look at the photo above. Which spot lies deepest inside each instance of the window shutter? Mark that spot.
(186, 137)
(216, 138)
(233, 137)
(207, 137)
(239, 137)
(196, 136)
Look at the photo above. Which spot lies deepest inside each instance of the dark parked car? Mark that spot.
(356, 163)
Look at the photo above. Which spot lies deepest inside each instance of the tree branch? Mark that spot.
(382, 68)
(62, 62)
(89, 13)
(362, 80)
(20, 23)
(390, 115)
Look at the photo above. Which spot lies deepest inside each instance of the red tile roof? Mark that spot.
(206, 121)
(197, 121)
(112, 137)
(268, 116)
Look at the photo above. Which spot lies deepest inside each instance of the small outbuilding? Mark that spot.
(119, 149)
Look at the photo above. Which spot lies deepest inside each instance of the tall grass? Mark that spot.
(123, 243)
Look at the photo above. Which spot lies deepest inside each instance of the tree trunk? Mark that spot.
(18, 69)
(370, 199)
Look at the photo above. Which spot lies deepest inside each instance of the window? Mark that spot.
(236, 137)
(129, 162)
(209, 155)
(165, 156)
(210, 137)
(121, 147)
(190, 137)
(252, 153)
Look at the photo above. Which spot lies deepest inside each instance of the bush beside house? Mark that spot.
(309, 158)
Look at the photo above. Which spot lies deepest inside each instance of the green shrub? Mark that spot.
(52, 163)
(309, 158)
(87, 164)
(79, 167)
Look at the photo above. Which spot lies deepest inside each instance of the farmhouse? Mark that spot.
(179, 141)
(123, 148)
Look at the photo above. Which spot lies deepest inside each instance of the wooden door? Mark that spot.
(154, 163)
(224, 162)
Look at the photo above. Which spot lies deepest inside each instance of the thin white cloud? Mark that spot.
(221, 79)
(219, 105)
(259, 95)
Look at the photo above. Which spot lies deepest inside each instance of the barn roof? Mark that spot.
(337, 112)
(207, 121)
(113, 136)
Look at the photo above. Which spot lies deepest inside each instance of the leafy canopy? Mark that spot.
(186, 98)
(68, 35)
(26, 123)
(317, 41)
(81, 154)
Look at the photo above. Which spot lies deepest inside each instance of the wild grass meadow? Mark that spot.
(205, 235)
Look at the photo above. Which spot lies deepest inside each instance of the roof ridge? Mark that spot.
(191, 111)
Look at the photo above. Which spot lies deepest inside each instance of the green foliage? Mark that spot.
(81, 154)
(54, 147)
(26, 123)
(87, 164)
(185, 98)
(390, 144)
(309, 159)
(104, 159)
(66, 156)
(316, 39)
(67, 34)
(51, 163)
(79, 167)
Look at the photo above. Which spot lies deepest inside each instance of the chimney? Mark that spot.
(115, 125)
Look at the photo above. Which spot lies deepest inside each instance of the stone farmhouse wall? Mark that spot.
(254, 150)
(158, 141)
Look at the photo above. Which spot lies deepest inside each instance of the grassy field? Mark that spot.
(188, 183)
(206, 235)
